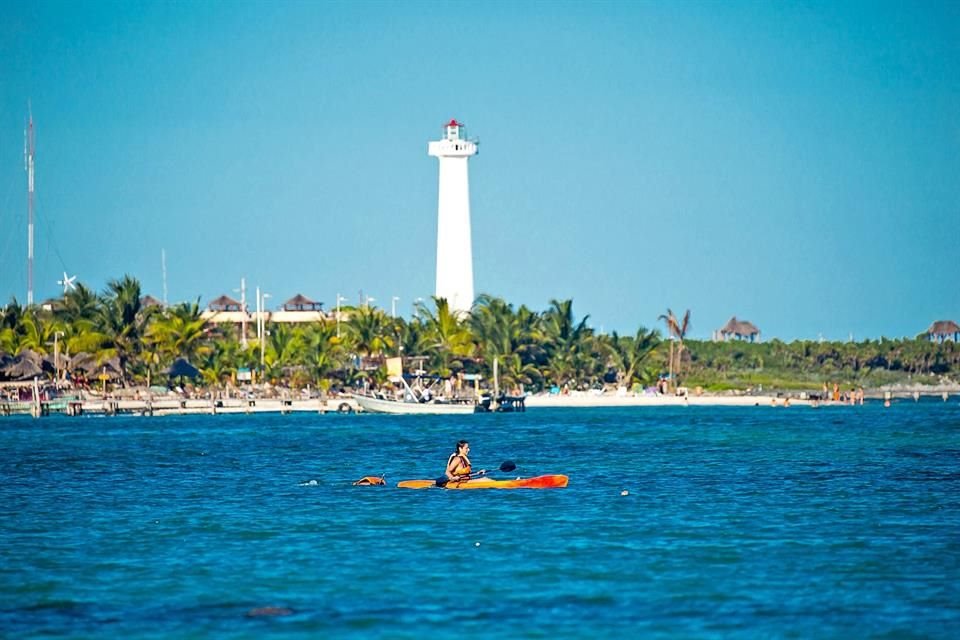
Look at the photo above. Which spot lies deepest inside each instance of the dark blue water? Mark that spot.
(752, 522)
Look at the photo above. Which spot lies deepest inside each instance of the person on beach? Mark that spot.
(458, 464)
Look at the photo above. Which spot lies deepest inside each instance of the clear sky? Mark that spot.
(793, 164)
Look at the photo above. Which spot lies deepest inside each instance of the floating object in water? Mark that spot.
(370, 481)
(260, 612)
(624, 493)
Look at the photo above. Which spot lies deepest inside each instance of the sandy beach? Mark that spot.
(159, 405)
(596, 399)
(586, 399)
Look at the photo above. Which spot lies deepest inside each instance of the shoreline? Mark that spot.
(593, 399)
(345, 404)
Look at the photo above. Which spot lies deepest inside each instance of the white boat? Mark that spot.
(433, 407)
(421, 399)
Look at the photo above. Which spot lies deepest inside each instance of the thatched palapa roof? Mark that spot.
(87, 362)
(300, 302)
(739, 328)
(150, 301)
(944, 328)
(22, 368)
(224, 303)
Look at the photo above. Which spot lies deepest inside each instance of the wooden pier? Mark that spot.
(164, 406)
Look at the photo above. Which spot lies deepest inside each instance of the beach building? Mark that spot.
(225, 309)
(942, 330)
(299, 308)
(454, 252)
(737, 330)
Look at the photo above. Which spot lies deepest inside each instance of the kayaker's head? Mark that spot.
(463, 448)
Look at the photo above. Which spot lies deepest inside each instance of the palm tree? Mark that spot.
(371, 331)
(122, 321)
(220, 362)
(37, 331)
(681, 333)
(323, 352)
(285, 349)
(631, 354)
(675, 329)
(514, 372)
(180, 331)
(79, 304)
(511, 337)
(491, 323)
(566, 341)
(447, 337)
(10, 314)
(10, 327)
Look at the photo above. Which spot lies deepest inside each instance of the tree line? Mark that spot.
(535, 350)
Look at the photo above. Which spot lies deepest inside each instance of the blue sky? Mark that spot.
(793, 164)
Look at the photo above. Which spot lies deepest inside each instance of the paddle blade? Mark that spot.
(507, 466)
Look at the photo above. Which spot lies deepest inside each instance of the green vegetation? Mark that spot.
(807, 364)
(535, 350)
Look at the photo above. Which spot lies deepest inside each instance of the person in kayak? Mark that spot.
(458, 464)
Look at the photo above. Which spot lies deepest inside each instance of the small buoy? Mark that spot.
(476, 544)
(624, 493)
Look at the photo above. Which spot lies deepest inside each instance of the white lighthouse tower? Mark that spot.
(454, 253)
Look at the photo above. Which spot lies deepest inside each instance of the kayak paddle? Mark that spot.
(506, 467)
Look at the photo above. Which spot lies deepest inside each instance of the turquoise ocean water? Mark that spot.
(739, 522)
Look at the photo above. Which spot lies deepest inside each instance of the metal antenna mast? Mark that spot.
(163, 265)
(28, 153)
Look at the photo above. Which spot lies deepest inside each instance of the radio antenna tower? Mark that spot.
(28, 155)
(163, 266)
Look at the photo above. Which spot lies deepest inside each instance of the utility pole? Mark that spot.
(243, 312)
(263, 328)
(258, 313)
(56, 358)
(339, 300)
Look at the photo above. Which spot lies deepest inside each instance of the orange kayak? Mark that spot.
(555, 481)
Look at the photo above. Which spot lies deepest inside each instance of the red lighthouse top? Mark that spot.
(453, 123)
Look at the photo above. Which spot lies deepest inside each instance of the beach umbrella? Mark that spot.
(182, 369)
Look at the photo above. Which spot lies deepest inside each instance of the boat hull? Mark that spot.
(553, 481)
(379, 405)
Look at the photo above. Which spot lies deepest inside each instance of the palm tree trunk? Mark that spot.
(679, 356)
(670, 368)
